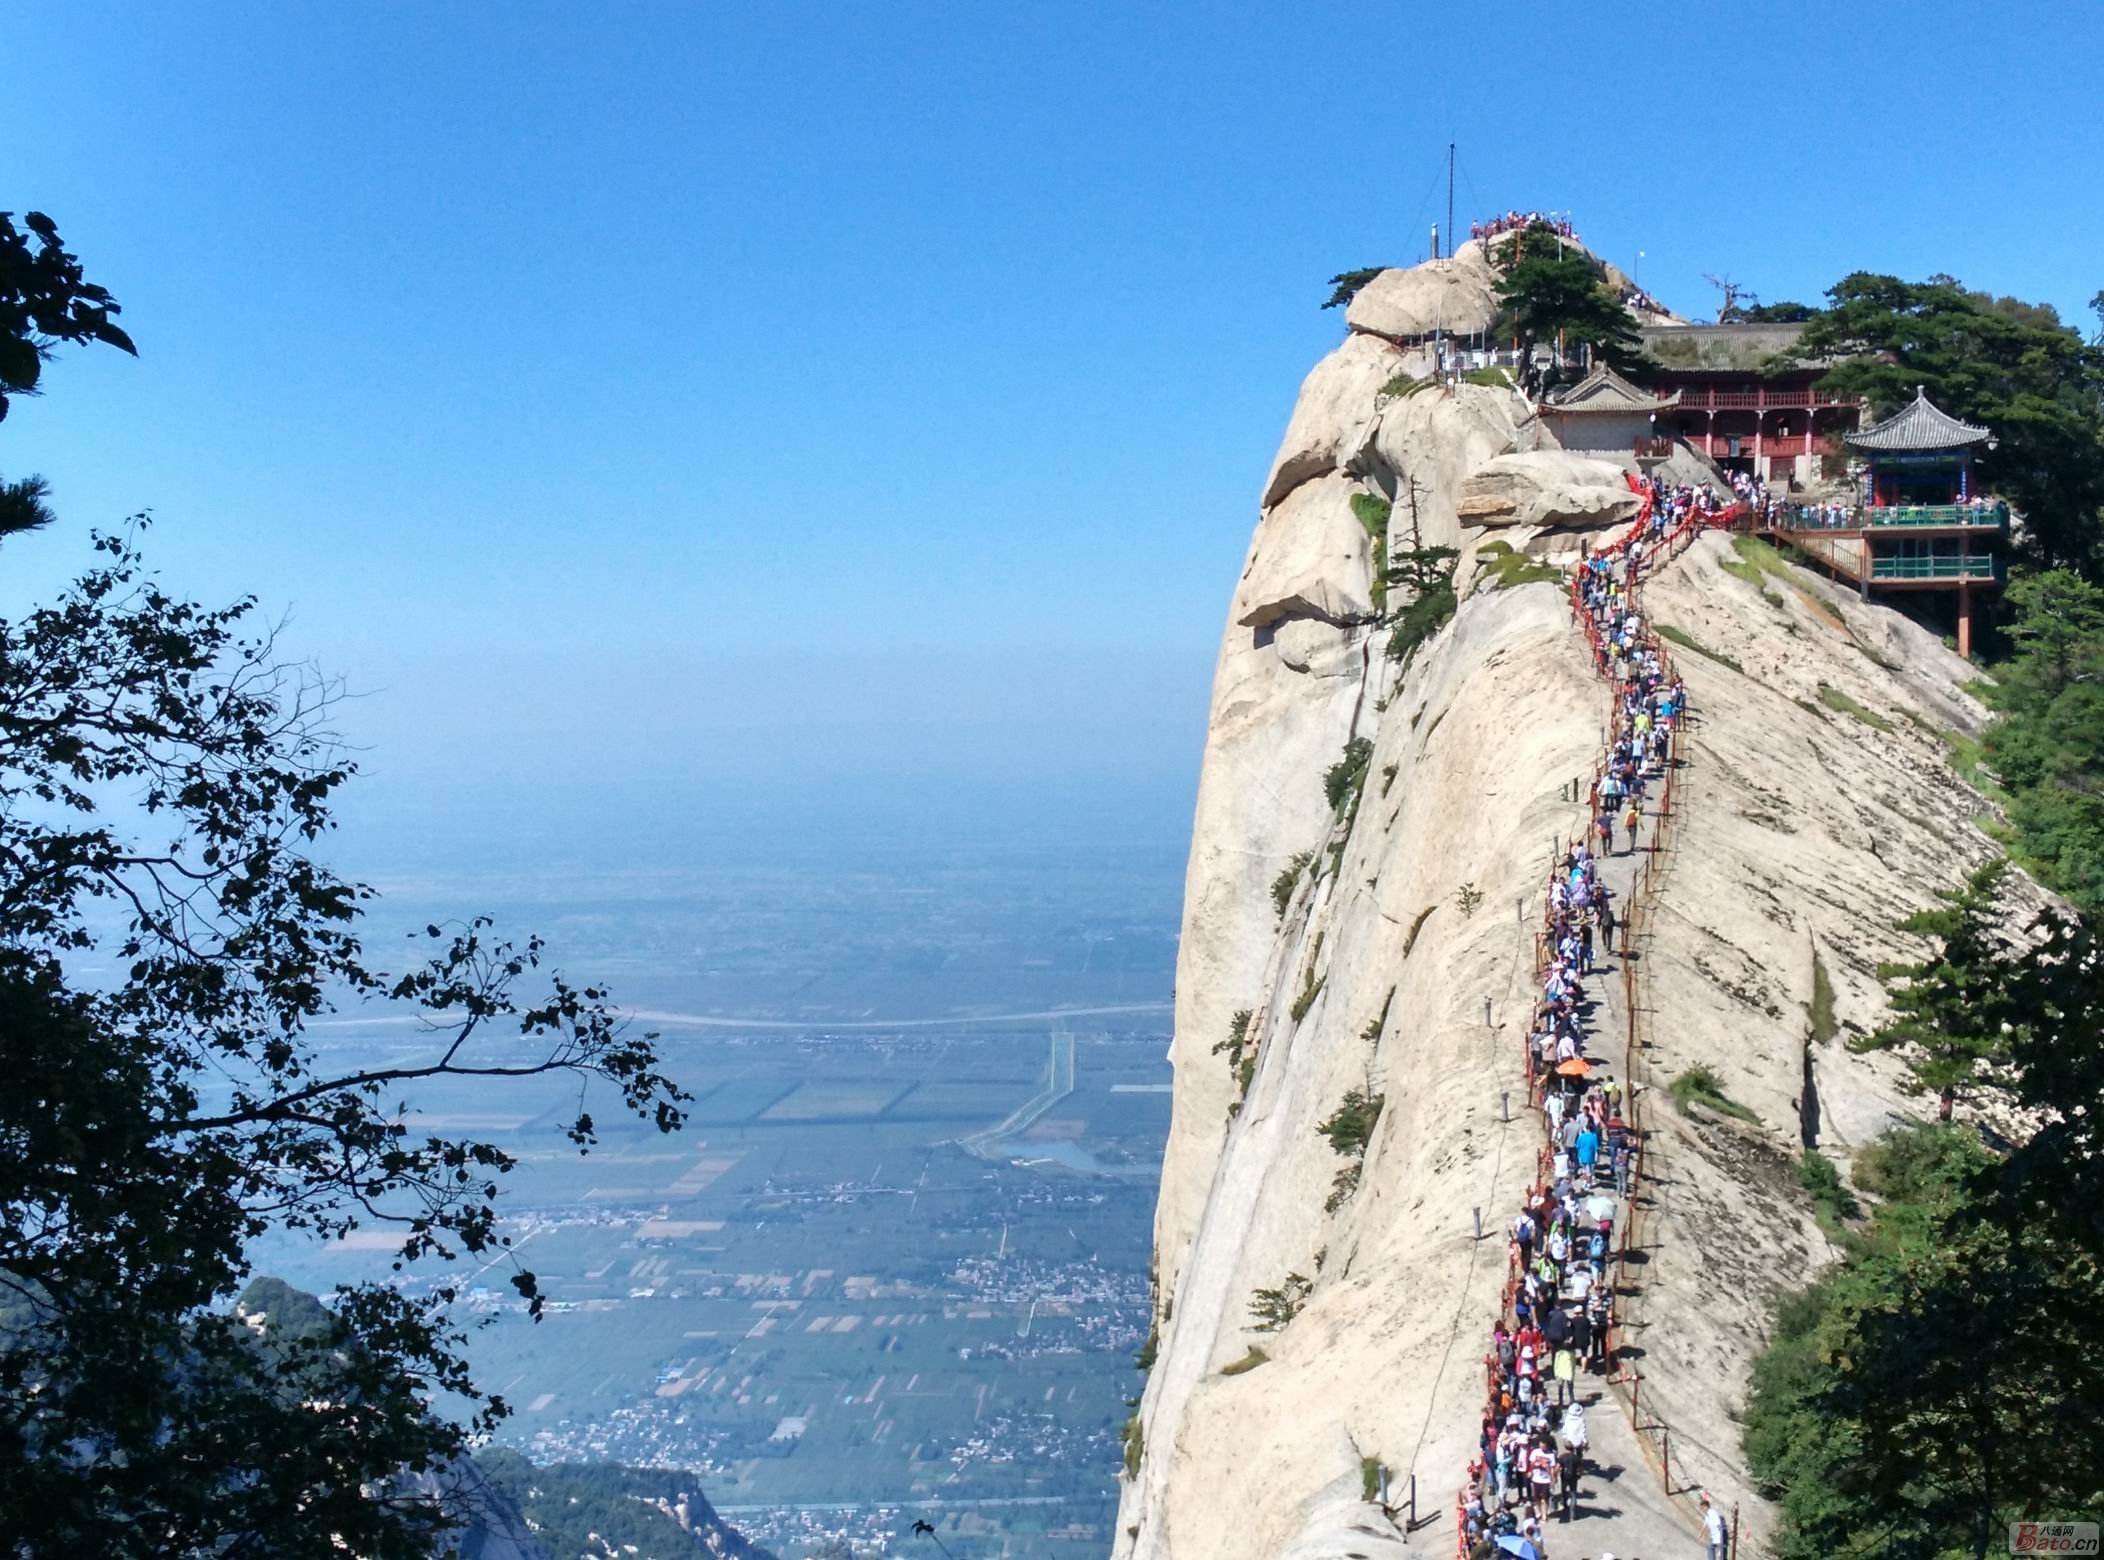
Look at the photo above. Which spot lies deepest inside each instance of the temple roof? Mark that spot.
(1919, 425)
(1604, 390)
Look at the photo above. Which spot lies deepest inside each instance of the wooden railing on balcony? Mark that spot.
(1795, 398)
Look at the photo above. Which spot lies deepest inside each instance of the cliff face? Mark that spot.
(1402, 963)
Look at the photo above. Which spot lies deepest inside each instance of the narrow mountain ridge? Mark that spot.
(1316, 1334)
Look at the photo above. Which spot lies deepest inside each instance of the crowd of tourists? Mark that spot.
(1519, 221)
(1557, 1323)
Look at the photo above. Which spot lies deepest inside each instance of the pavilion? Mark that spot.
(1922, 523)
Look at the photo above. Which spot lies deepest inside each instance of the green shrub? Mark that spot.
(1824, 1024)
(1135, 1439)
(1350, 1126)
(1370, 1479)
(1246, 1363)
(1969, 761)
(1274, 1308)
(1468, 899)
(1508, 568)
(1834, 699)
(1372, 1031)
(1283, 885)
(1342, 781)
(1342, 1185)
(1311, 988)
(1241, 1057)
(1494, 378)
(1832, 1203)
(1699, 1087)
(1349, 1130)
(1373, 511)
(1687, 642)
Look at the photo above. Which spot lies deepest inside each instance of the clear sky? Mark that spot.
(741, 394)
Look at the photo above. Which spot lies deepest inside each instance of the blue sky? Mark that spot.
(747, 395)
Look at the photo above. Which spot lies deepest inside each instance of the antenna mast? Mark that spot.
(1450, 198)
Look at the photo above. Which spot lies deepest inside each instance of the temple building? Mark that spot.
(1922, 523)
(1740, 397)
(1604, 412)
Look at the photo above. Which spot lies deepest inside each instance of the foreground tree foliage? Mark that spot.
(46, 299)
(1942, 1381)
(166, 942)
(2014, 366)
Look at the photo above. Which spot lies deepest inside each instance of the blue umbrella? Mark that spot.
(1513, 1544)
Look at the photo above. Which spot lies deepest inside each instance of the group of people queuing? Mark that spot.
(1649, 702)
(1532, 1449)
(1531, 1452)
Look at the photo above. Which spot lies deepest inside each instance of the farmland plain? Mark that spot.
(895, 1264)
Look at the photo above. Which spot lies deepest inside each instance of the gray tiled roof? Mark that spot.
(1604, 390)
(1919, 425)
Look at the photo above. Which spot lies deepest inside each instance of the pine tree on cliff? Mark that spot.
(1550, 289)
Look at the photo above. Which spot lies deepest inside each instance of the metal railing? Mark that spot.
(1954, 566)
(1887, 517)
(1981, 516)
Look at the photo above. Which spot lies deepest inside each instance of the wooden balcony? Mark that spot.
(1793, 398)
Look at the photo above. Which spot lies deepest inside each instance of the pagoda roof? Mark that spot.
(1919, 425)
(1604, 390)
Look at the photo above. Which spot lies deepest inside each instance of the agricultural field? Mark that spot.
(814, 1294)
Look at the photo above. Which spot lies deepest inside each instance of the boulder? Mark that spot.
(1311, 559)
(1335, 406)
(1426, 445)
(1549, 490)
(1456, 295)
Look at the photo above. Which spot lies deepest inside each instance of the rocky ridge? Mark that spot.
(1401, 961)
